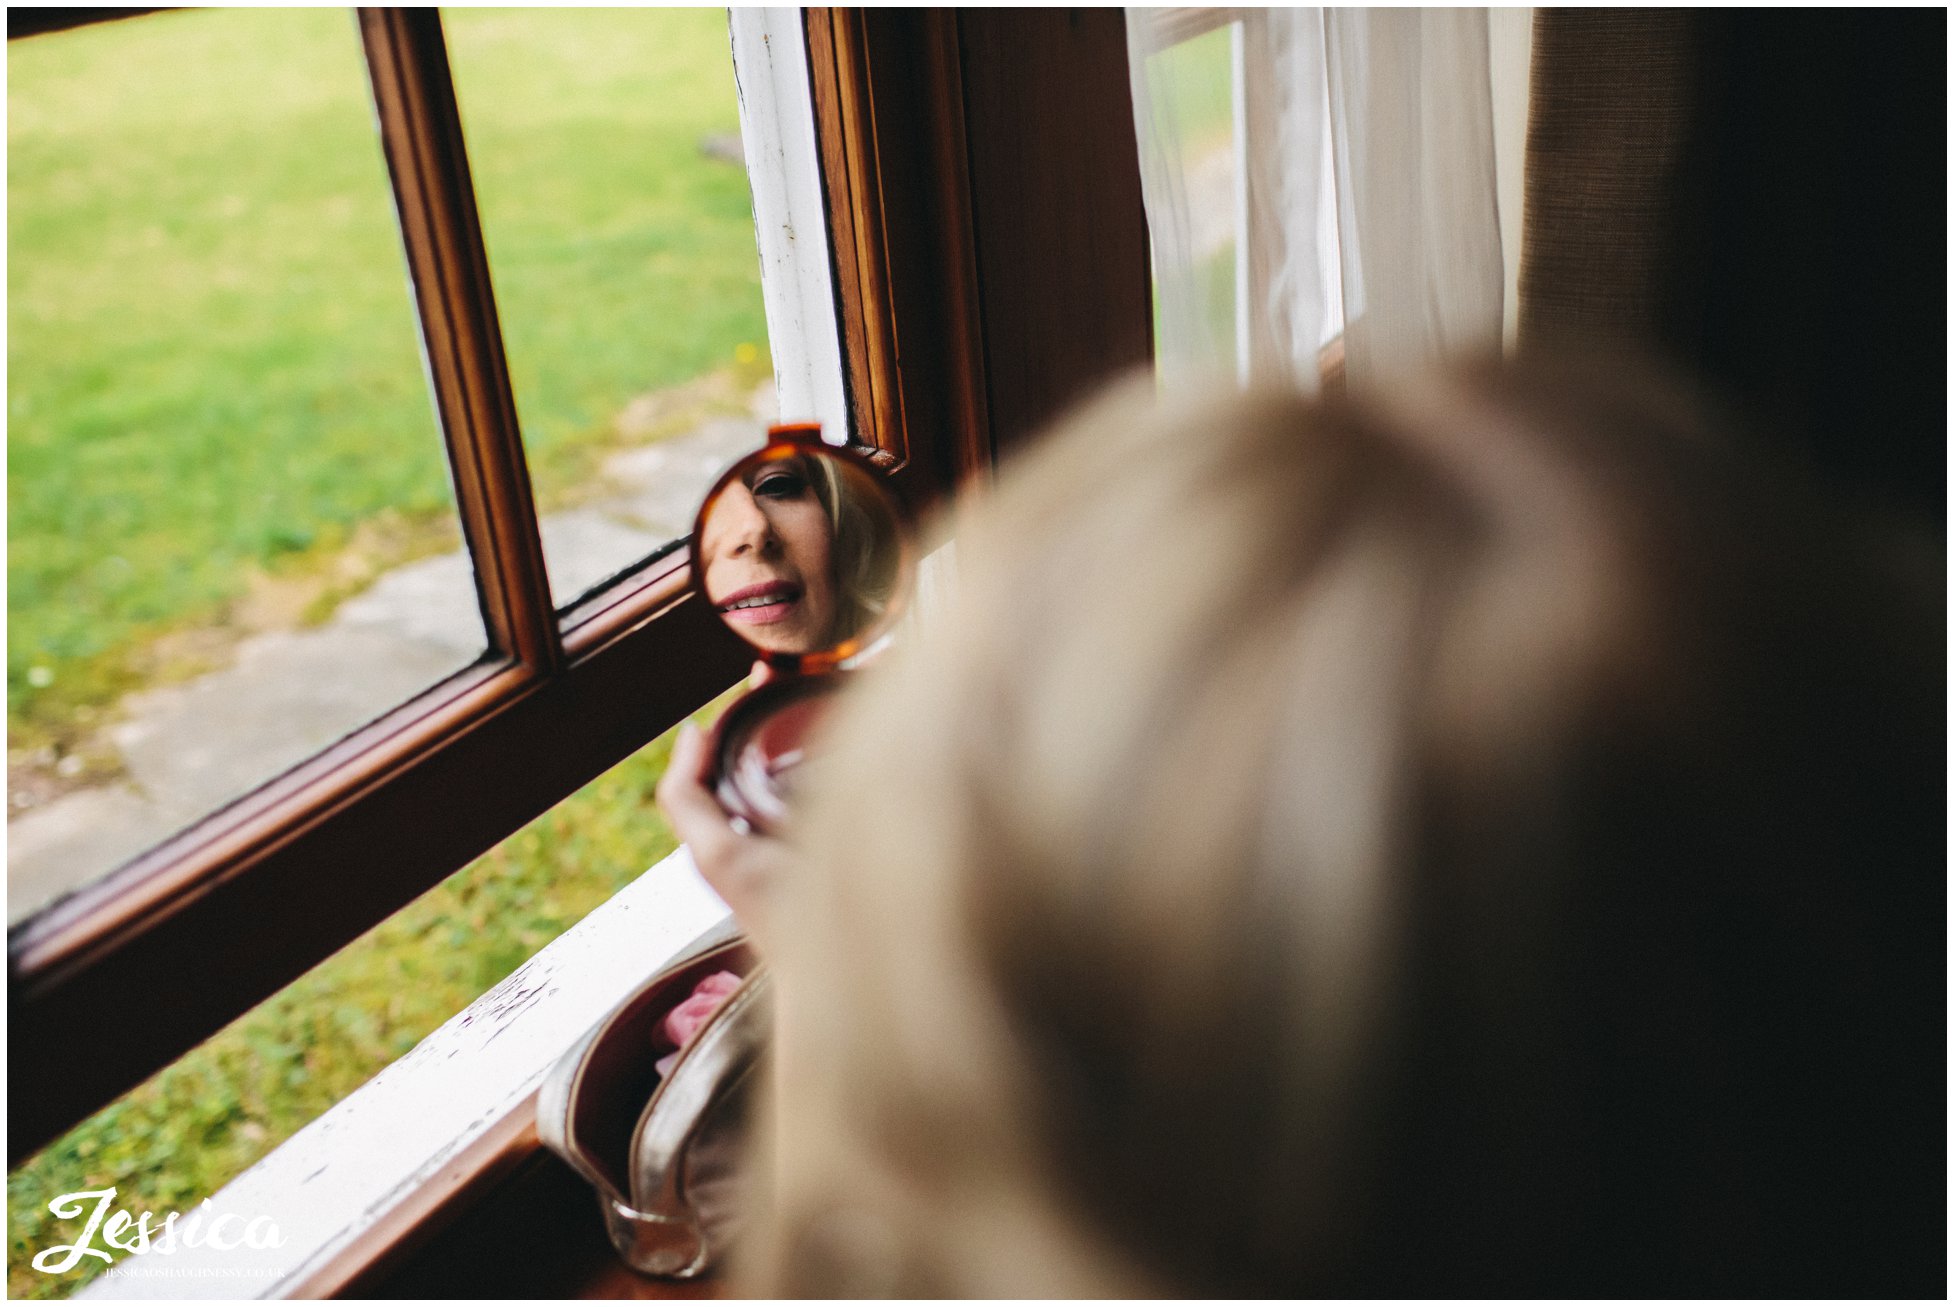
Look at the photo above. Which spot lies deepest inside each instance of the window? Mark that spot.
(224, 912)
(606, 153)
(1193, 87)
(973, 175)
(218, 432)
(1221, 125)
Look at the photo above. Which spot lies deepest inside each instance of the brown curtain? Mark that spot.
(1760, 195)
(1612, 100)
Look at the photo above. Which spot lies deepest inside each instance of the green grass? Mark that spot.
(624, 259)
(213, 365)
(177, 1139)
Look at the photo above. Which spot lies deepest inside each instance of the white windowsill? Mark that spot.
(337, 1176)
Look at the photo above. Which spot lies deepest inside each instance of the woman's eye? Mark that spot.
(781, 485)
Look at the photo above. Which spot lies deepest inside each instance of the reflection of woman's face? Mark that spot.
(768, 552)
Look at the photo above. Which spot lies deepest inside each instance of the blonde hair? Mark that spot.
(1321, 854)
(866, 536)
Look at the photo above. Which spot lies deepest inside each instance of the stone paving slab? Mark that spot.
(430, 602)
(69, 842)
(660, 485)
(191, 748)
(586, 546)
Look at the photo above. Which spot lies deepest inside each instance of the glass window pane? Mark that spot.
(1193, 84)
(199, 1123)
(231, 532)
(606, 155)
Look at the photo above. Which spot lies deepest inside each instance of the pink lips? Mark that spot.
(761, 605)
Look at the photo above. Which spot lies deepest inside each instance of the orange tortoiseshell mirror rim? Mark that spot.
(788, 440)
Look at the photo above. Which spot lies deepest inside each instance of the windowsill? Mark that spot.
(460, 1101)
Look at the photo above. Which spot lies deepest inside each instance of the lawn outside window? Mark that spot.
(233, 908)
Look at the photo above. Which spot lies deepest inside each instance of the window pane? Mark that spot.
(231, 530)
(194, 1126)
(606, 156)
(1192, 85)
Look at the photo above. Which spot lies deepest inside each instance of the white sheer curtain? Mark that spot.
(1318, 179)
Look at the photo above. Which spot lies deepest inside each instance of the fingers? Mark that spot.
(740, 867)
(696, 817)
(761, 674)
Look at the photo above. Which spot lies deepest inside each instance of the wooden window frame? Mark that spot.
(990, 241)
(230, 910)
(966, 325)
(879, 232)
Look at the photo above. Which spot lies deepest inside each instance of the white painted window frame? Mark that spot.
(790, 217)
(348, 1169)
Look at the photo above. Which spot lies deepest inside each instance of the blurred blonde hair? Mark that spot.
(1388, 848)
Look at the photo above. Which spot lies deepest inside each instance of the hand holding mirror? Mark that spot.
(801, 549)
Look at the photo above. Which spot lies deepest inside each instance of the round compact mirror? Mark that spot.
(801, 550)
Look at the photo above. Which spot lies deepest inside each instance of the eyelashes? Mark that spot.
(782, 484)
